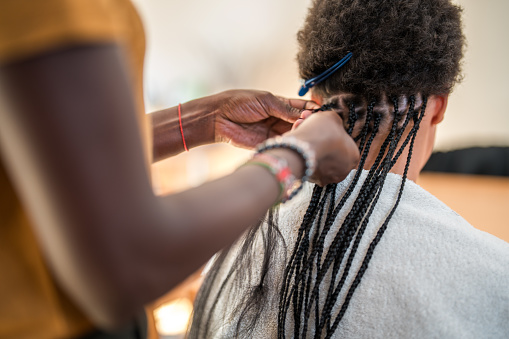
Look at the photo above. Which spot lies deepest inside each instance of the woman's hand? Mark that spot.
(247, 117)
(336, 152)
(243, 118)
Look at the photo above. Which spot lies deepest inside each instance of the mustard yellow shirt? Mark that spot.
(31, 303)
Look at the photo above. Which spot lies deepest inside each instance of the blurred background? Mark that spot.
(197, 48)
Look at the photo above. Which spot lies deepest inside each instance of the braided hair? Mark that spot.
(307, 267)
(404, 52)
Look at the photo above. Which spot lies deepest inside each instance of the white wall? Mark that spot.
(478, 111)
(198, 47)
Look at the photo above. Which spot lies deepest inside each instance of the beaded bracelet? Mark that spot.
(280, 169)
(302, 148)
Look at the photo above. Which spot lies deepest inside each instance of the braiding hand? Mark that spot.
(246, 117)
(336, 152)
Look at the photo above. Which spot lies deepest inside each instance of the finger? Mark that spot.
(294, 108)
(311, 105)
(305, 114)
(297, 123)
(295, 103)
(302, 104)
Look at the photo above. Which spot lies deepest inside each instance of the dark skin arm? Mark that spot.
(69, 137)
(243, 118)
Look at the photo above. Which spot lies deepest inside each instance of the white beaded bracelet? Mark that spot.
(299, 146)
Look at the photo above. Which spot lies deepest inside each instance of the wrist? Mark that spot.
(294, 160)
(298, 147)
(278, 167)
(291, 162)
(198, 118)
(194, 126)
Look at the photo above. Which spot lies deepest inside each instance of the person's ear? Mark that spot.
(439, 108)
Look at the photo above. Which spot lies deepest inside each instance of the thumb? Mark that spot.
(291, 109)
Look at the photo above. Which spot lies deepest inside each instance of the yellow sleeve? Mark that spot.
(31, 27)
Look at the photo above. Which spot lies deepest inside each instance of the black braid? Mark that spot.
(348, 219)
(332, 296)
(342, 246)
(382, 229)
(298, 252)
(363, 201)
(353, 228)
(291, 265)
(300, 256)
(306, 268)
(372, 200)
(329, 224)
(332, 198)
(313, 205)
(299, 274)
(352, 118)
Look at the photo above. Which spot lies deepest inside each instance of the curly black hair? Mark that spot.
(399, 46)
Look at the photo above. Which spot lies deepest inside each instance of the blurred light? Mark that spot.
(173, 318)
(197, 167)
(208, 265)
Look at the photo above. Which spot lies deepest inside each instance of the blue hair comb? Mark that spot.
(319, 78)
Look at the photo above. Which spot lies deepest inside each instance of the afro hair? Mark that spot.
(400, 47)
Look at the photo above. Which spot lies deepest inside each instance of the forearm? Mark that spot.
(197, 117)
(204, 219)
(112, 244)
(209, 218)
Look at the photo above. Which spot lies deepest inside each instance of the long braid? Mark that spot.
(303, 247)
(298, 249)
(372, 202)
(363, 136)
(363, 201)
(305, 226)
(332, 198)
(284, 298)
(332, 295)
(299, 283)
(382, 229)
(363, 133)
(352, 118)
(352, 229)
(313, 205)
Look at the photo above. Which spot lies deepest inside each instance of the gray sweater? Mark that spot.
(432, 275)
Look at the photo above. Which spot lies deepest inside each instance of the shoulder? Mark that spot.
(436, 271)
(428, 218)
(425, 229)
(28, 28)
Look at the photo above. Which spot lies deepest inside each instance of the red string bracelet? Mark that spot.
(181, 129)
